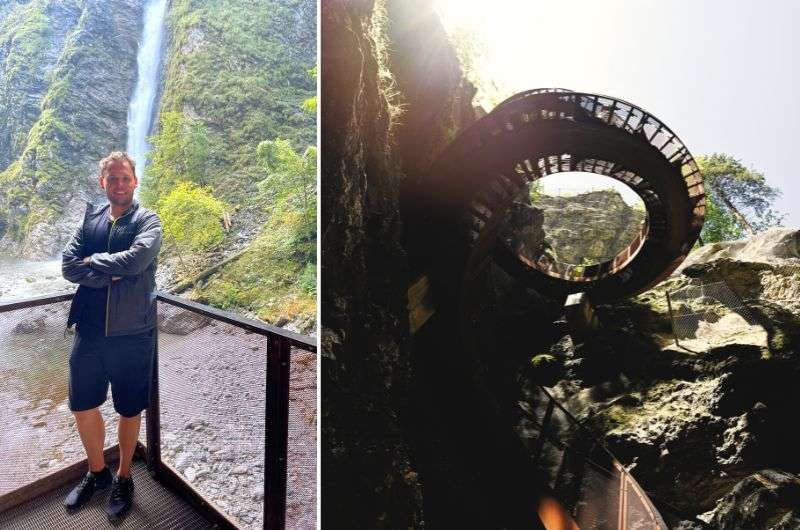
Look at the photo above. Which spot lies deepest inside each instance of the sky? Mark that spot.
(721, 74)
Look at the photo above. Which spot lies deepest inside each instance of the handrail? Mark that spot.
(301, 341)
(23, 303)
(548, 433)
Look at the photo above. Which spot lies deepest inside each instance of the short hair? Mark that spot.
(117, 156)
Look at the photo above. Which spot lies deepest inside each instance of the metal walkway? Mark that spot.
(463, 215)
(154, 506)
(466, 197)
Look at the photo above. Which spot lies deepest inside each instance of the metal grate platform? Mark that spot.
(154, 506)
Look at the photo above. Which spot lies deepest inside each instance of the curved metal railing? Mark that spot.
(593, 486)
(526, 108)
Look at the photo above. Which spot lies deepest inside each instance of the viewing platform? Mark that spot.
(228, 439)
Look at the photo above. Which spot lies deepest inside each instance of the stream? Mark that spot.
(25, 279)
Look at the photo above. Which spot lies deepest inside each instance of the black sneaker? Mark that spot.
(121, 498)
(90, 483)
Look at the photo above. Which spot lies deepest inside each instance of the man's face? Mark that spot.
(119, 183)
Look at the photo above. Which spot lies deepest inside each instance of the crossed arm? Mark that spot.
(136, 259)
(99, 270)
(75, 269)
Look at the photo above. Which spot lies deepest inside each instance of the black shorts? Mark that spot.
(124, 361)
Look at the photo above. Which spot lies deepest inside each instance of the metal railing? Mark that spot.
(594, 487)
(31, 321)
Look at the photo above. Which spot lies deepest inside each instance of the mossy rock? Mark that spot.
(546, 369)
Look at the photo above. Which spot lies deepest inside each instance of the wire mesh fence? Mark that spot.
(592, 485)
(213, 392)
(212, 381)
(38, 436)
(709, 311)
(213, 417)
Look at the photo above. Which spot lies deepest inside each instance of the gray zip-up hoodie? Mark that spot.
(133, 245)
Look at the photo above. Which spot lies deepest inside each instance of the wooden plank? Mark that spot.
(420, 305)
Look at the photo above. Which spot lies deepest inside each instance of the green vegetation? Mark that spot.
(235, 67)
(310, 104)
(191, 218)
(720, 224)
(739, 200)
(237, 115)
(276, 278)
(290, 176)
(179, 154)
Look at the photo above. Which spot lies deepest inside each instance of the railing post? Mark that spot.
(153, 418)
(276, 436)
(672, 319)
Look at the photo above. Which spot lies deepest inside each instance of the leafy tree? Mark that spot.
(738, 193)
(179, 154)
(290, 175)
(191, 217)
(310, 104)
(720, 224)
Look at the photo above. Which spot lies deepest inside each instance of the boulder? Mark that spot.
(768, 499)
(31, 325)
(182, 322)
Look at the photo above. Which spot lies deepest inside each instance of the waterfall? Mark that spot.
(140, 111)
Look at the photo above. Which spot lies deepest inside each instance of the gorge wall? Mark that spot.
(589, 227)
(393, 95)
(68, 68)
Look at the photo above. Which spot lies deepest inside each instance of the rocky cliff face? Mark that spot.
(705, 423)
(589, 227)
(33, 38)
(67, 76)
(393, 93)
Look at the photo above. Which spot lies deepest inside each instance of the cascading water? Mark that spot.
(140, 111)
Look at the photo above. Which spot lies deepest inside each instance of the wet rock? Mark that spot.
(240, 470)
(182, 322)
(258, 494)
(768, 499)
(181, 461)
(33, 325)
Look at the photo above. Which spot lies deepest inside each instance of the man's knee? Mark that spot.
(94, 411)
(129, 414)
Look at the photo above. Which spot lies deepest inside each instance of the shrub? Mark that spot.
(191, 217)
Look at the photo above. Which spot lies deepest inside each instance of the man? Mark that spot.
(112, 256)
